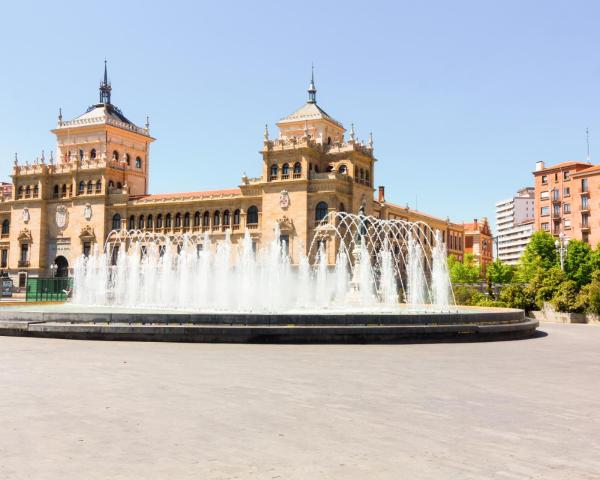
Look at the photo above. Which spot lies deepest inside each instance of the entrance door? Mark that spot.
(62, 266)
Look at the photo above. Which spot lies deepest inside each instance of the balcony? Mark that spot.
(584, 226)
(584, 207)
(23, 263)
(584, 191)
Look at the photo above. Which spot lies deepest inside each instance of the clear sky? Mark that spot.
(462, 97)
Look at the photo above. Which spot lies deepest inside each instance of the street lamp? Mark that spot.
(561, 245)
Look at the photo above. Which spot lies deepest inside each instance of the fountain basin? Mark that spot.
(397, 325)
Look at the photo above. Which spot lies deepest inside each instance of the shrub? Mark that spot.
(565, 299)
(517, 296)
(467, 295)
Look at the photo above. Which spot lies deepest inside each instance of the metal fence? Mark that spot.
(53, 289)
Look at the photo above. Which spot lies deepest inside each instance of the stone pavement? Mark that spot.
(527, 409)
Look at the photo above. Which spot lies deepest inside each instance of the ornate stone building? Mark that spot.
(61, 208)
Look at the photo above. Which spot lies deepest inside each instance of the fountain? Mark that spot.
(361, 279)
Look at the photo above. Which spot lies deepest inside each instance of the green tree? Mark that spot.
(467, 271)
(539, 254)
(516, 296)
(589, 296)
(499, 272)
(545, 284)
(578, 265)
(565, 298)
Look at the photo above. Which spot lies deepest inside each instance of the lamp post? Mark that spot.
(562, 244)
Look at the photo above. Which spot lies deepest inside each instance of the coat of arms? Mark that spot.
(87, 212)
(61, 216)
(284, 199)
(26, 215)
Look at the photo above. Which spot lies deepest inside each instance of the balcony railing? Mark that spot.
(23, 263)
(584, 225)
(584, 207)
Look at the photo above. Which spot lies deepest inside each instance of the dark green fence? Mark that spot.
(48, 289)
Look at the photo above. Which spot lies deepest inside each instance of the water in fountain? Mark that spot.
(353, 262)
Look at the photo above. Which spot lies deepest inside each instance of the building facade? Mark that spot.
(564, 200)
(478, 242)
(515, 224)
(63, 207)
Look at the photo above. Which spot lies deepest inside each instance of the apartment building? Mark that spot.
(515, 225)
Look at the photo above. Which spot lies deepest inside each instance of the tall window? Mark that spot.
(115, 155)
(197, 219)
(4, 262)
(131, 225)
(177, 220)
(274, 171)
(116, 222)
(5, 227)
(168, 220)
(321, 211)
(584, 184)
(20, 192)
(87, 246)
(127, 159)
(186, 219)
(36, 191)
(24, 252)
(150, 221)
(93, 153)
(81, 187)
(159, 221)
(226, 218)
(138, 162)
(55, 194)
(297, 168)
(206, 219)
(285, 170)
(64, 191)
(217, 218)
(141, 222)
(236, 217)
(252, 215)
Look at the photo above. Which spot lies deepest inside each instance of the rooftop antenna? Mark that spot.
(587, 140)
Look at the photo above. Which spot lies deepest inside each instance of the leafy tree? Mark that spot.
(589, 296)
(539, 253)
(517, 296)
(545, 284)
(499, 272)
(578, 265)
(467, 295)
(467, 271)
(566, 299)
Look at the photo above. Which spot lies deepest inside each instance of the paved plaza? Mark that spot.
(526, 409)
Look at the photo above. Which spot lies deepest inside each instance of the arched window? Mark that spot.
(316, 169)
(342, 208)
(55, 191)
(98, 186)
(20, 192)
(329, 168)
(361, 174)
(138, 162)
(93, 153)
(81, 187)
(131, 225)
(274, 170)
(168, 220)
(252, 215)
(206, 219)
(116, 222)
(28, 191)
(226, 218)
(297, 168)
(236, 217)
(127, 159)
(115, 155)
(285, 170)
(159, 221)
(328, 140)
(197, 219)
(36, 191)
(367, 177)
(80, 155)
(150, 221)
(119, 185)
(141, 222)
(177, 220)
(5, 227)
(217, 218)
(343, 169)
(186, 219)
(321, 211)
(64, 190)
(111, 185)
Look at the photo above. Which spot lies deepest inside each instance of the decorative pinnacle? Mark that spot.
(371, 140)
(51, 156)
(352, 132)
(266, 134)
(16, 162)
(43, 157)
(60, 117)
(305, 128)
(312, 90)
(147, 122)
(105, 87)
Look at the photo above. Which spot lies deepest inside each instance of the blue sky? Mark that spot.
(462, 97)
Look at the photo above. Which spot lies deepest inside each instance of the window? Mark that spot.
(567, 191)
(20, 192)
(93, 153)
(119, 186)
(80, 155)
(544, 179)
(343, 169)
(141, 222)
(186, 219)
(206, 219)
(585, 203)
(116, 222)
(342, 208)
(90, 187)
(545, 195)
(567, 223)
(111, 185)
(361, 174)
(5, 227)
(131, 225)
(567, 208)
(64, 191)
(114, 256)
(81, 187)
(566, 175)
(555, 194)
(87, 246)
(217, 219)
(197, 219)
(138, 162)
(27, 191)
(556, 210)
(545, 211)
(226, 218)
(159, 221)
(285, 244)
(127, 159)
(321, 211)
(177, 220)
(368, 177)
(98, 186)
(168, 220)
(236, 217)
(297, 169)
(115, 155)
(585, 217)
(285, 170)
(24, 252)
(150, 222)
(252, 215)
(584, 185)
(274, 171)
(4, 261)
(55, 194)
(36, 191)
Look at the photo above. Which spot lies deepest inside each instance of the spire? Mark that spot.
(60, 117)
(312, 90)
(266, 134)
(352, 133)
(105, 87)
